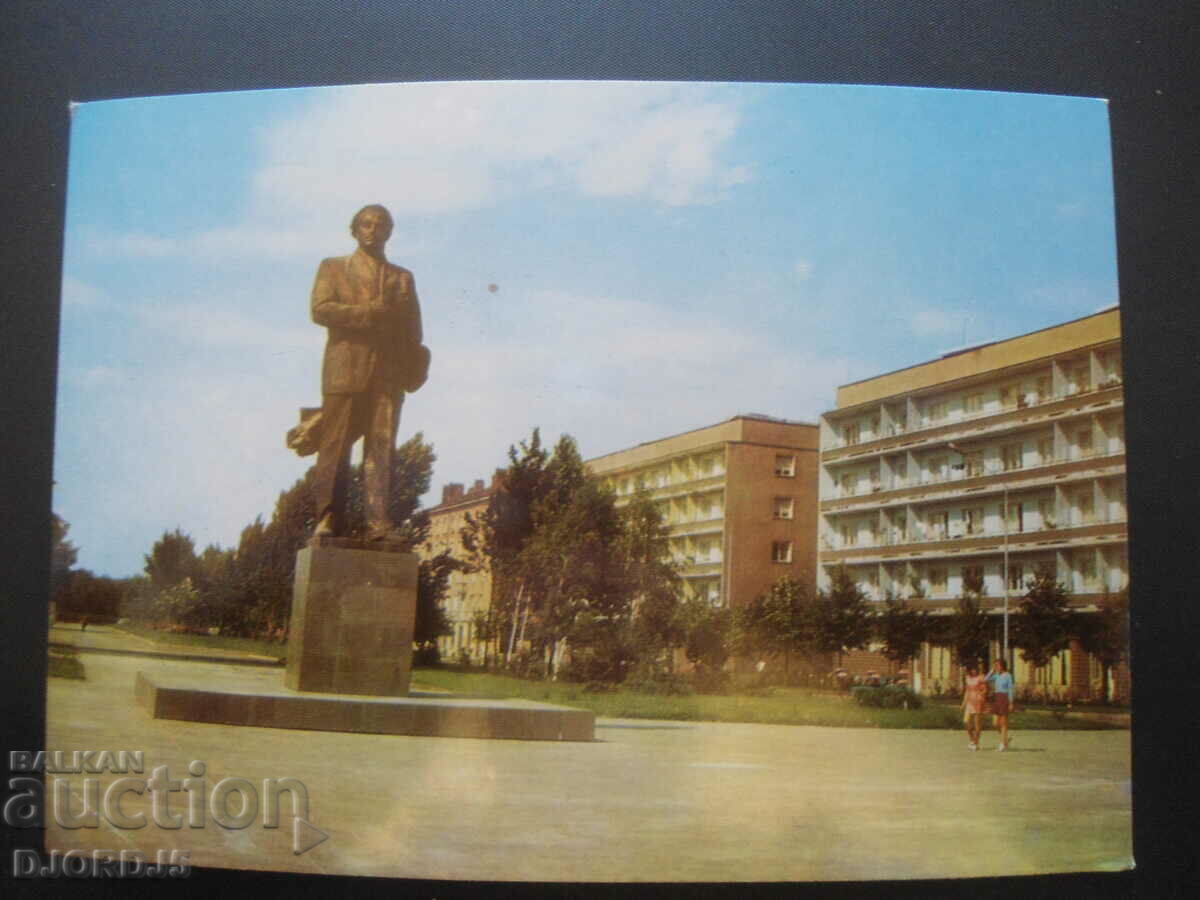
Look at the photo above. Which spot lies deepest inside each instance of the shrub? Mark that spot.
(598, 687)
(426, 655)
(661, 683)
(710, 680)
(889, 697)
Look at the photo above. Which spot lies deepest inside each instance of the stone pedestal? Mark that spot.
(353, 609)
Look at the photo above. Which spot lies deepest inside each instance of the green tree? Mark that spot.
(569, 563)
(497, 538)
(87, 594)
(968, 631)
(1105, 634)
(650, 579)
(901, 629)
(433, 576)
(1043, 624)
(486, 631)
(778, 622)
(841, 618)
(171, 560)
(62, 555)
(708, 634)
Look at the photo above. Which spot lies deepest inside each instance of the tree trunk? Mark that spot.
(512, 634)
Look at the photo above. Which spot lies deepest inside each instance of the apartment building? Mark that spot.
(466, 592)
(738, 499)
(985, 462)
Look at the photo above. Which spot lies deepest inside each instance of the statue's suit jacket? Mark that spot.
(361, 353)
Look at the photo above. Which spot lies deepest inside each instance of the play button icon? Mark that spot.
(305, 836)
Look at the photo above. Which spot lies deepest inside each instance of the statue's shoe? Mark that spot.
(385, 532)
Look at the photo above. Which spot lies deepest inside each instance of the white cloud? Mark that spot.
(203, 324)
(446, 147)
(426, 149)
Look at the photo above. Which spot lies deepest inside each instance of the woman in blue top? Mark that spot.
(1003, 701)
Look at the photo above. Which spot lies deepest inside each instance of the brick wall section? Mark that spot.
(750, 524)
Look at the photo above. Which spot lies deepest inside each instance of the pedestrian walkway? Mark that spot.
(111, 639)
(646, 801)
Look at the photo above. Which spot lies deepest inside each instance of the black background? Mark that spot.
(1139, 56)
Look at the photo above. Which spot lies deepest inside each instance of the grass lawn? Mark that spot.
(202, 641)
(64, 663)
(781, 706)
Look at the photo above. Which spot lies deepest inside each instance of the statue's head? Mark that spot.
(372, 226)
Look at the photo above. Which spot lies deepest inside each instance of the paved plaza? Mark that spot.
(647, 801)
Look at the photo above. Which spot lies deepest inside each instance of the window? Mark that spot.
(899, 532)
(1110, 361)
(899, 469)
(849, 534)
(1079, 378)
(1085, 504)
(974, 520)
(850, 433)
(939, 523)
(849, 481)
(937, 468)
(1012, 457)
(781, 551)
(1016, 516)
(1008, 395)
(785, 466)
(704, 466)
(972, 576)
(973, 404)
(1083, 440)
(937, 579)
(1085, 565)
(1046, 450)
(1043, 387)
(1046, 509)
(713, 592)
(1016, 577)
(974, 463)
(784, 507)
(937, 411)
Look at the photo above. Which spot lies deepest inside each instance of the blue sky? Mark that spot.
(617, 261)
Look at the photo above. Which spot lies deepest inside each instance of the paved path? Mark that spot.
(648, 800)
(108, 639)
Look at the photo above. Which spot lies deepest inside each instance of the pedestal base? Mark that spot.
(252, 697)
(353, 610)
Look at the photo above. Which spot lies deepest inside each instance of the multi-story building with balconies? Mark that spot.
(738, 499)
(467, 592)
(989, 462)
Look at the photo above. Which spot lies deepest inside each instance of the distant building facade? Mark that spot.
(986, 462)
(467, 592)
(738, 498)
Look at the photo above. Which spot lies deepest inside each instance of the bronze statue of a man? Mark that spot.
(373, 355)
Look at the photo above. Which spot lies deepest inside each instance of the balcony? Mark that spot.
(935, 544)
(992, 480)
(909, 434)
